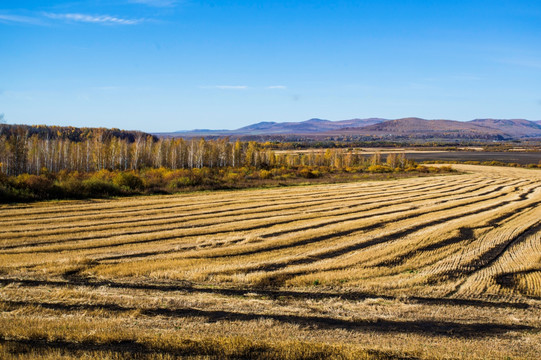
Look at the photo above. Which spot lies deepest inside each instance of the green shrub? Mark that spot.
(379, 169)
(180, 183)
(98, 187)
(73, 188)
(317, 173)
(307, 173)
(153, 178)
(265, 174)
(37, 186)
(128, 180)
(233, 177)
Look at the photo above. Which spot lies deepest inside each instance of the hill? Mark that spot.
(411, 127)
(311, 126)
(479, 128)
(304, 127)
(513, 128)
(420, 127)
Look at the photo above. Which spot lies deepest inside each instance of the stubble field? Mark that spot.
(441, 267)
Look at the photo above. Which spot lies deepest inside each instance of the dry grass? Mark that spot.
(441, 267)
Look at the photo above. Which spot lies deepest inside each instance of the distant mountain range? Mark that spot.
(399, 128)
(478, 128)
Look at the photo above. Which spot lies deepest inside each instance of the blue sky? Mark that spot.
(165, 65)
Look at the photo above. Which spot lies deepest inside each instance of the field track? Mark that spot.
(451, 258)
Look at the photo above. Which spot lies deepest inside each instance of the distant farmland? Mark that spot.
(438, 267)
(517, 157)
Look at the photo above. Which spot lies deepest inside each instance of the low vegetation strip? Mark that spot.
(419, 268)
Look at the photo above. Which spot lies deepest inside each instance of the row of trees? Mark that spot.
(23, 152)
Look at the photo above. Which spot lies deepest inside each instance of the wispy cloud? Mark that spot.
(156, 3)
(279, 87)
(19, 19)
(96, 19)
(226, 87)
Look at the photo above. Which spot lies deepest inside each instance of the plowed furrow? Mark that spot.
(222, 216)
(379, 224)
(209, 229)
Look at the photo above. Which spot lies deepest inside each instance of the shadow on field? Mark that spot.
(23, 346)
(511, 280)
(424, 327)
(279, 279)
(189, 348)
(269, 293)
(488, 258)
(371, 242)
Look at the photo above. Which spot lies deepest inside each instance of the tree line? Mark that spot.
(33, 150)
(65, 163)
(24, 151)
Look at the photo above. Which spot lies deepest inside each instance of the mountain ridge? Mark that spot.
(483, 128)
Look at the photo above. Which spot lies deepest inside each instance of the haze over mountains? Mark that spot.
(307, 127)
(405, 127)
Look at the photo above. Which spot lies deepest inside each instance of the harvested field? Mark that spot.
(437, 267)
(473, 154)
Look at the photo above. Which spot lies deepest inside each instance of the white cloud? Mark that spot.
(226, 87)
(99, 19)
(281, 87)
